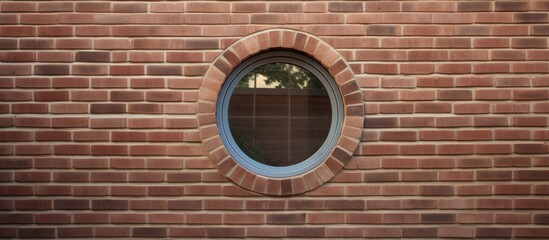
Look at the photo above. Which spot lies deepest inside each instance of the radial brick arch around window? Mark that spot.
(289, 40)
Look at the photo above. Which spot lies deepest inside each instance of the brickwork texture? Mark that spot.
(100, 135)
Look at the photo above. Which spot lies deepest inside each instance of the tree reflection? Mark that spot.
(281, 76)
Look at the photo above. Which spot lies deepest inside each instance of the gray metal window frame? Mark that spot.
(302, 61)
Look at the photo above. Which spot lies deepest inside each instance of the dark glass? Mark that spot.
(279, 114)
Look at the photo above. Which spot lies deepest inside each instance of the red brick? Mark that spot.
(383, 30)
(18, 7)
(382, 232)
(493, 175)
(16, 163)
(514, 189)
(454, 95)
(358, 18)
(128, 191)
(440, 82)
(91, 191)
(402, 218)
(285, 7)
(529, 43)
(148, 205)
(417, 122)
(427, 30)
(53, 190)
(483, 68)
(15, 136)
(417, 69)
(129, 7)
(471, 135)
(249, 7)
(513, 218)
(406, 43)
(493, 149)
(29, 108)
(207, 7)
(491, 42)
(380, 68)
(166, 191)
(345, 7)
(75, 232)
(380, 150)
(541, 134)
(32, 177)
(34, 204)
(381, 123)
(406, 18)
(52, 163)
(33, 149)
(462, 55)
(512, 82)
(511, 108)
(474, 163)
(454, 68)
(455, 149)
(187, 232)
(535, 54)
(436, 135)
(530, 68)
(205, 219)
(455, 204)
(456, 176)
(456, 232)
(529, 121)
(511, 6)
(70, 122)
(430, 163)
(127, 70)
(27, 232)
(112, 232)
(18, 57)
(531, 148)
(530, 175)
(53, 218)
(494, 203)
(530, 94)
(18, 31)
(109, 204)
(490, 121)
(91, 218)
(418, 149)
(417, 95)
(531, 204)
(490, 232)
(71, 204)
(419, 177)
(432, 107)
(381, 204)
(385, 6)
(396, 108)
(512, 162)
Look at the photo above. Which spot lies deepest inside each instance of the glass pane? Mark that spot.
(279, 114)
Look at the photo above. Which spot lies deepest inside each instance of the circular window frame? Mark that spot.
(299, 60)
(259, 43)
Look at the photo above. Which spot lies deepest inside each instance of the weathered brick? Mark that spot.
(346, 7)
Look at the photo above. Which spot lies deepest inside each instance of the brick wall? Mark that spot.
(99, 134)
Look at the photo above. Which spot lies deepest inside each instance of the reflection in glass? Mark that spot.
(279, 114)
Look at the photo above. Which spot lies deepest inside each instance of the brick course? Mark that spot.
(105, 131)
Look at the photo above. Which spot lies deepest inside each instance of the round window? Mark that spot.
(280, 114)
